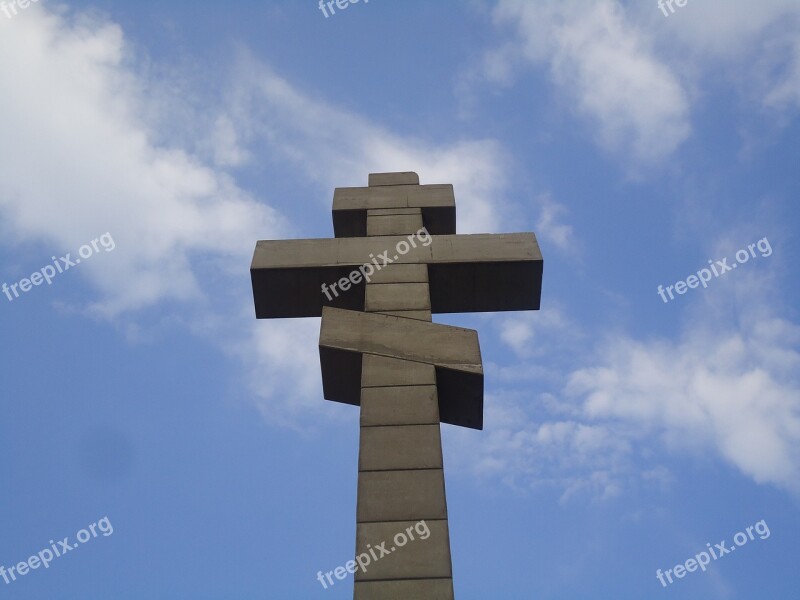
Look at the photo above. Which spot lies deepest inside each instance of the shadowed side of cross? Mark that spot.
(465, 273)
(395, 261)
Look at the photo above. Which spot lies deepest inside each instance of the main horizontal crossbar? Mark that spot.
(467, 273)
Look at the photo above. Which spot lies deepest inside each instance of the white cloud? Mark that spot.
(711, 392)
(225, 146)
(524, 452)
(733, 396)
(79, 161)
(337, 148)
(518, 333)
(284, 373)
(535, 439)
(607, 65)
(724, 29)
(636, 74)
(531, 333)
(92, 143)
(754, 46)
(782, 93)
(549, 226)
(726, 389)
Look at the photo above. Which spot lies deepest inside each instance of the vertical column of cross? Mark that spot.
(402, 509)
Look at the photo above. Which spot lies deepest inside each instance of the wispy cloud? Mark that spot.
(90, 165)
(336, 147)
(125, 154)
(550, 225)
(636, 76)
(726, 387)
(607, 66)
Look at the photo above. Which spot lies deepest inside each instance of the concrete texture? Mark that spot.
(353, 252)
(443, 346)
(401, 274)
(385, 496)
(435, 196)
(394, 224)
(381, 371)
(400, 178)
(397, 296)
(428, 558)
(399, 405)
(400, 447)
(427, 589)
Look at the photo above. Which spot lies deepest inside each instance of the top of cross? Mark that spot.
(468, 273)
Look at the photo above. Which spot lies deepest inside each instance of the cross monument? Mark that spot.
(394, 261)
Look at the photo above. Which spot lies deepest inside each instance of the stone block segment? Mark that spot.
(385, 496)
(399, 178)
(428, 558)
(399, 405)
(381, 297)
(443, 346)
(382, 371)
(400, 447)
(401, 274)
(394, 224)
(429, 589)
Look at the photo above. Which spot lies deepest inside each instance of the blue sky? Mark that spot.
(622, 433)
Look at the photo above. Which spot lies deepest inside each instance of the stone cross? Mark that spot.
(395, 260)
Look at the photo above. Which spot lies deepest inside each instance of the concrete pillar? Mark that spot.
(400, 467)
